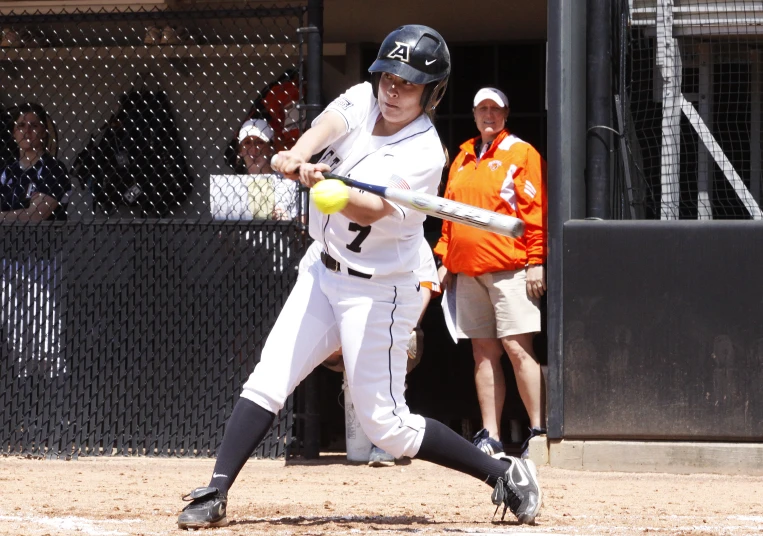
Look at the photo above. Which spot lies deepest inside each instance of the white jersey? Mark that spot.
(391, 244)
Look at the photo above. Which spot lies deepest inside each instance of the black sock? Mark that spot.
(443, 446)
(245, 429)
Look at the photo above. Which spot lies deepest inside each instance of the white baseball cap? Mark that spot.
(256, 127)
(493, 94)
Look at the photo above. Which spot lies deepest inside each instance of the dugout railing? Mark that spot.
(130, 327)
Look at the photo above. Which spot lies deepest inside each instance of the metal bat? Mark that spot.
(442, 208)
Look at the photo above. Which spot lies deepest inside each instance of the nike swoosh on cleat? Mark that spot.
(524, 481)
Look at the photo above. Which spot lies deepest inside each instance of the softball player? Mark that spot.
(363, 295)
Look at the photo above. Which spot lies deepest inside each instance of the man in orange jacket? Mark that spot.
(500, 279)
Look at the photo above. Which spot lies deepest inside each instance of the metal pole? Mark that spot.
(314, 32)
(705, 163)
(566, 175)
(314, 58)
(755, 106)
(599, 108)
(624, 156)
(669, 62)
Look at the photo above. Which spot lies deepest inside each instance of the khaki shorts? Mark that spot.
(495, 305)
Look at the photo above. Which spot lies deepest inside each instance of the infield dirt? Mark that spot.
(142, 496)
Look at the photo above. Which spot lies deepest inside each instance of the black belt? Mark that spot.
(332, 264)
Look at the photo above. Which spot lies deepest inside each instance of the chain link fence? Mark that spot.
(688, 108)
(146, 245)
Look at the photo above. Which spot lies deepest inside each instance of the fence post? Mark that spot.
(669, 62)
(313, 104)
(599, 108)
(566, 175)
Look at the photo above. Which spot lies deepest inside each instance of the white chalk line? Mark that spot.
(693, 523)
(90, 527)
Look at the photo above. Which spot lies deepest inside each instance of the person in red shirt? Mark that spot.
(500, 279)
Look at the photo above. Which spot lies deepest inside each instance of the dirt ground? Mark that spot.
(142, 496)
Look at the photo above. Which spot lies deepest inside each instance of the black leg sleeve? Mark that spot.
(245, 429)
(443, 446)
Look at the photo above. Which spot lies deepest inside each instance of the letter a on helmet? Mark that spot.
(401, 52)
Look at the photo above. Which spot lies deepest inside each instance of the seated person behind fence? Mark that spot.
(255, 148)
(35, 187)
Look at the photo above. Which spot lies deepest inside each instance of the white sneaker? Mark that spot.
(534, 432)
(380, 458)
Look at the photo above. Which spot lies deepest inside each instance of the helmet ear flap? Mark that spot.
(375, 79)
(433, 94)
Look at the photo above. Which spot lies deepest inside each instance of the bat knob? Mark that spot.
(273, 160)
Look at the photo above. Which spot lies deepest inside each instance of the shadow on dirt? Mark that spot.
(334, 459)
(339, 520)
(364, 522)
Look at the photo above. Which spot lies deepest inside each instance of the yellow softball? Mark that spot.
(330, 195)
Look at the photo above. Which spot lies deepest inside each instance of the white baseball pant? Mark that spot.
(371, 319)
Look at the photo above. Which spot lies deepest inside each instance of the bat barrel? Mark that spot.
(442, 208)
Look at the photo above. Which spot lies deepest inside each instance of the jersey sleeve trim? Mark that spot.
(337, 112)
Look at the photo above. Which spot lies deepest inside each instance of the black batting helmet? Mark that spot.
(419, 55)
